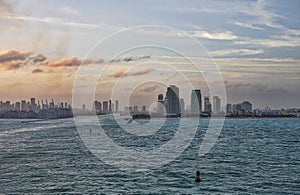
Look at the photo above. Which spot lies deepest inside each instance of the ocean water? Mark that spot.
(251, 156)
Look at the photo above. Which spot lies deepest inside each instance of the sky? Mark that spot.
(131, 49)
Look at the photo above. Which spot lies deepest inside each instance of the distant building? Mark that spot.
(246, 106)
(83, 107)
(33, 104)
(17, 106)
(182, 105)
(196, 103)
(105, 106)
(143, 108)
(109, 106)
(236, 108)
(172, 98)
(23, 105)
(117, 106)
(216, 104)
(228, 109)
(135, 108)
(160, 104)
(97, 106)
(207, 104)
(160, 97)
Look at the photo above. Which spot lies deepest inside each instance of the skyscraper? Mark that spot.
(109, 106)
(32, 102)
(17, 106)
(207, 104)
(105, 106)
(23, 105)
(196, 103)
(182, 105)
(216, 104)
(172, 98)
(97, 106)
(160, 104)
(117, 106)
(228, 109)
(246, 106)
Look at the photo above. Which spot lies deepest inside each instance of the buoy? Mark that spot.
(197, 178)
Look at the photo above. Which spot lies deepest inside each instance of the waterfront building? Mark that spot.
(172, 98)
(196, 103)
(216, 104)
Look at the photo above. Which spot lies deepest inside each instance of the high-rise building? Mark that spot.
(105, 106)
(228, 109)
(117, 106)
(160, 104)
(196, 103)
(97, 106)
(160, 97)
(143, 108)
(216, 104)
(182, 105)
(110, 106)
(17, 106)
(23, 105)
(33, 104)
(135, 108)
(246, 106)
(207, 104)
(172, 98)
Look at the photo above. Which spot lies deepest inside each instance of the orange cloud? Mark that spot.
(73, 62)
(13, 59)
(13, 55)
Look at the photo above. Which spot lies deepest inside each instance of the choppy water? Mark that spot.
(251, 156)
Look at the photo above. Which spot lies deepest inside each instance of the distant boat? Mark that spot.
(129, 121)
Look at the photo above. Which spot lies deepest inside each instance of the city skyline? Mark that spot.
(255, 45)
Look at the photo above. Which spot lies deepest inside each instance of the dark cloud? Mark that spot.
(37, 70)
(13, 55)
(13, 59)
(123, 73)
(129, 59)
(38, 58)
(261, 95)
(236, 85)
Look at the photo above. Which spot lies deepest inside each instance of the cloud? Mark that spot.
(247, 25)
(129, 59)
(123, 73)
(254, 88)
(279, 41)
(236, 52)
(58, 21)
(236, 85)
(13, 59)
(38, 58)
(13, 55)
(37, 70)
(73, 62)
(150, 88)
(225, 35)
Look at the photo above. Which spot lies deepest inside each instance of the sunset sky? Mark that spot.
(256, 45)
